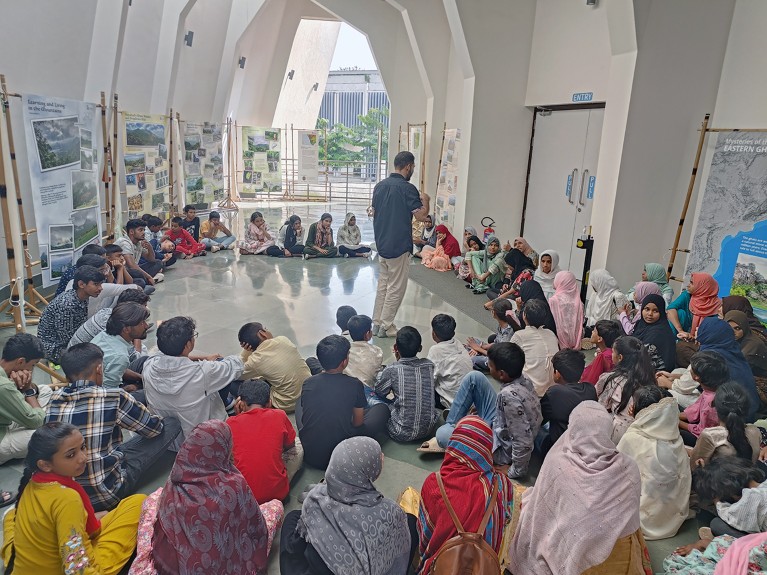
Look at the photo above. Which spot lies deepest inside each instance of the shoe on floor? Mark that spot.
(158, 278)
(229, 247)
(149, 290)
(214, 248)
(391, 332)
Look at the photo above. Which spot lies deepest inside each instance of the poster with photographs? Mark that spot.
(203, 161)
(447, 184)
(259, 166)
(416, 145)
(145, 163)
(61, 139)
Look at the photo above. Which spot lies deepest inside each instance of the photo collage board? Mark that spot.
(203, 163)
(145, 161)
(260, 164)
(63, 151)
(447, 184)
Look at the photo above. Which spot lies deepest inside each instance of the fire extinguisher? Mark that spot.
(489, 231)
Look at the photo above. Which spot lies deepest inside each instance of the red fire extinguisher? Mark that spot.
(489, 231)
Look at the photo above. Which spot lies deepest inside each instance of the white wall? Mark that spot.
(310, 58)
(570, 52)
(499, 37)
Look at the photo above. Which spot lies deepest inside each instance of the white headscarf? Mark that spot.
(600, 299)
(547, 279)
(654, 442)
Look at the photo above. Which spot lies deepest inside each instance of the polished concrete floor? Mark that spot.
(298, 299)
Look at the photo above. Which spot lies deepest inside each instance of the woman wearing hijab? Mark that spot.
(289, 239)
(319, 240)
(741, 303)
(699, 301)
(445, 254)
(468, 476)
(567, 309)
(629, 316)
(487, 266)
(208, 520)
(349, 238)
(654, 331)
(425, 239)
(582, 515)
(547, 271)
(346, 526)
(656, 274)
(522, 245)
(607, 301)
(468, 231)
(520, 269)
(465, 269)
(531, 290)
(753, 347)
(716, 335)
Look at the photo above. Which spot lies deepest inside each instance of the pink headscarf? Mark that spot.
(586, 497)
(567, 309)
(641, 291)
(736, 560)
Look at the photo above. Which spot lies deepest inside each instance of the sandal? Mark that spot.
(7, 498)
(431, 446)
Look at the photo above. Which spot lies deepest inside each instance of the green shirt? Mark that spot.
(13, 407)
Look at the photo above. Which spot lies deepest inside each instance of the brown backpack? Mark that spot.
(466, 553)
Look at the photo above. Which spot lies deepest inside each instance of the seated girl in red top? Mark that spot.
(184, 241)
(604, 334)
(266, 450)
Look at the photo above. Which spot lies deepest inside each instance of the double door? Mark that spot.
(562, 182)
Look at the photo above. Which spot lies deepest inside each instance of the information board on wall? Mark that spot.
(203, 163)
(145, 160)
(308, 156)
(259, 164)
(61, 139)
(447, 184)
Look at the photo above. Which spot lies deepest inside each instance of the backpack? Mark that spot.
(466, 553)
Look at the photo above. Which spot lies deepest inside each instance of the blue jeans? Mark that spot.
(224, 242)
(475, 390)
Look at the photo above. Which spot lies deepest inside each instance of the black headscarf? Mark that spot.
(290, 233)
(476, 239)
(519, 262)
(657, 337)
(530, 290)
(741, 303)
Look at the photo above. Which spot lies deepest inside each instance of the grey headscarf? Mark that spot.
(352, 526)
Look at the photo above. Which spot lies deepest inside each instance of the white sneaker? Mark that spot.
(374, 331)
(158, 278)
(214, 248)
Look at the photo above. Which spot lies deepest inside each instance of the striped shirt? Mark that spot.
(412, 414)
(100, 414)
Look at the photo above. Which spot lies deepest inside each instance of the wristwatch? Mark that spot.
(31, 392)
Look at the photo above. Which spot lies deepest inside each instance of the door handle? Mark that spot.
(580, 194)
(573, 177)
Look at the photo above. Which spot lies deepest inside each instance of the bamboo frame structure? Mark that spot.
(229, 203)
(106, 174)
(32, 297)
(171, 161)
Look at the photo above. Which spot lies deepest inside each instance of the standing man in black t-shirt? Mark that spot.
(395, 202)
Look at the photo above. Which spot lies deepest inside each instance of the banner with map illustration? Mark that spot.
(146, 176)
(730, 237)
(203, 163)
(259, 163)
(447, 184)
(61, 140)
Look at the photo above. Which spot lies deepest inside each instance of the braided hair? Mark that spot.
(732, 407)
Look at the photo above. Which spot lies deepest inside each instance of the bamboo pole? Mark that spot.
(171, 158)
(10, 225)
(106, 174)
(32, 298)
(688, 197)
(115, 196)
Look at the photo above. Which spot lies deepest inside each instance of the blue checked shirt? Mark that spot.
(101, 414)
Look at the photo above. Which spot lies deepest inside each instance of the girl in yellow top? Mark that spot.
(54, 528)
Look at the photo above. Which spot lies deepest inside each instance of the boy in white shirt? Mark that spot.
(451, 360)
(539, 344)
(365, 359)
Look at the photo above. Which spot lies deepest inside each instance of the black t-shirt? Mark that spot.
(394, 201)
(327, 401)
(558, 403)
(193, 227)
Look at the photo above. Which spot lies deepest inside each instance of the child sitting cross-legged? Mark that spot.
(364, 357)
(451, 360)
(184, 242)
(604, 334)
(710, 370)
(514, 413)
(500, 310)
(410, 379)
(276, 360)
